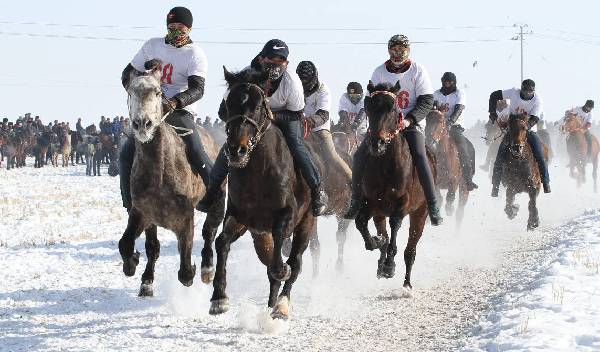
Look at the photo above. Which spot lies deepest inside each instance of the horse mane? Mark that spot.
(245, 76)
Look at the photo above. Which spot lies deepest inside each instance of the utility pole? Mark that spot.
(520, 36)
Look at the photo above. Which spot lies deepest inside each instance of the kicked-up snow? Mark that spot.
(62, 285)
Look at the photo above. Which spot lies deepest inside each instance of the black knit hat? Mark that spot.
(449, 77)
(528, 84)
(354, 88)
(306, 70)
(589, 103)
(275, 47)
(180, 14)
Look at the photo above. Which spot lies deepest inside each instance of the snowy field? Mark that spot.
(488, 286)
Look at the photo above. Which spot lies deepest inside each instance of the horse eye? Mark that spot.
(158, 94)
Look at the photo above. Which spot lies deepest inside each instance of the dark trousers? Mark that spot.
(292, 131)
(416, 144)
(464, 155)
(199, 160)
(538, 154)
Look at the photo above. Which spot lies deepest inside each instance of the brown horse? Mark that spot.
(65, 146)
(15, 150)
(164, 189)
(449, 170)
(520, 172)
(577, 149)
(390, 183)
(266, 194)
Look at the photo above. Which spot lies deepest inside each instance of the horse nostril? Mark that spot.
(242, 150)
(135, 125)
(148, 124)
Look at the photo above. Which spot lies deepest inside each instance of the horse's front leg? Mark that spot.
(209, 231)
(152, 254)
(362, 225)
(134, 228)
(511, 209)
(534, 219)
(185, 241)
(383, 241)
(281, 228)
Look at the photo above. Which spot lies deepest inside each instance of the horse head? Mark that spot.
(517, 133)
(145, 103)
(435, 128)
(383, 113)
(248, 116)
(572, 123)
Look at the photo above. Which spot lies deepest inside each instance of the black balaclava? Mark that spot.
(355, 92)
(307, 71)
(448, 77)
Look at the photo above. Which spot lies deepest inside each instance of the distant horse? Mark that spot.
(449, 170)
(164, 189)
(65, 146)
(266, 194)
(3, 141)
(15, 150)
(41, 148)
(520, 172)
(390, 183)
(76, 148)
(577, 148)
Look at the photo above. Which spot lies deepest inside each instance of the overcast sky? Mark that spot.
(50, 69)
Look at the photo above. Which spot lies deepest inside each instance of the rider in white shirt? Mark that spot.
(351, 109)
(584, 113)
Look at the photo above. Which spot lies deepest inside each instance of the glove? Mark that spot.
(493, 117)
(308, 120)
(532, 121)
(152, 65)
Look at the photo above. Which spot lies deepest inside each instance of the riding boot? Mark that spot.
(357, 201)
(497, 171)
(538, 154)
(214, 192)
(125, 165)
(416, 144)
(464, 156)
(198, 159)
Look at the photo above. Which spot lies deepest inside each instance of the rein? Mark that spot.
(399, 124)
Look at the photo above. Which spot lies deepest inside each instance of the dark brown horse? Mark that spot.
(43, 142)
(15, 150)
(164, 189)
(577, 149)
(520, 173)
(390, 184)
(449, 170)
(266, 194)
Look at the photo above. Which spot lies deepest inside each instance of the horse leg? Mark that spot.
(380, 226)
(209, 232)
(315, 249)
(152, 254)
(534, 219)
(511, 209)
(185, 241)
(263, 245)
(450, 197)
(127, 242)
(340, 237)
(463, 197)
(279, 270)
(302, 234)
(232, 230)
(417, 223)
(362, 225)
(388, 268)
(595, 172)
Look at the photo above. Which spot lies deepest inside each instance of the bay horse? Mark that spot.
(164, 189)
(266, 194)
(577, 150)
(390, 183)
(449, 170)
(520, 172)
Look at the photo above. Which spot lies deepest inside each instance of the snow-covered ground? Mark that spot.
(488, 286)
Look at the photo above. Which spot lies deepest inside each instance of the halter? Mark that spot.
(399, 125)
(261, 130)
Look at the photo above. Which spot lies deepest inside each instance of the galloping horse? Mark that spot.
(577, 149)
(520, 172)
(164, 189)
(266, 194)
(449, 170)
(390, 183)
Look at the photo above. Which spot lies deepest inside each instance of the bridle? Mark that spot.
(516, 149)
(261, 129)
(400, 122)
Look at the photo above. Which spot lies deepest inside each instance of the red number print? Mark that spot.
(167, 73)
(403, 99)
(520, 110)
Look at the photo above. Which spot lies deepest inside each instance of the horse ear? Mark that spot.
(229, 77)
(370, 87)
(396, 87)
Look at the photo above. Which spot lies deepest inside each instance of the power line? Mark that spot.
(567, 39)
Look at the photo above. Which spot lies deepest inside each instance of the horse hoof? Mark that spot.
(284, 273)
(407, 286)
(219, 306)
(286, 247)
(129, 264)
(374, 243)
(146, 289)
(187, 277)
(532, 225)
(387, 270)
(207, 274)
(281, 309)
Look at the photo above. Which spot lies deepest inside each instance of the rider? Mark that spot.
(522, 101)
(184, 68)
(285, 98)
(584, 113)
(451, 102)
(317, 99)
(415, 101)
(351, 108)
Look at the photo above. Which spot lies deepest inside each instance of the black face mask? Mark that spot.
(354, 98)
(448, 90)
(275, 71)
(526, 94)
(310, 85)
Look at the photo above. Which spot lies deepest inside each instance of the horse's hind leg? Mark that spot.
(209, 231)
(185, 241)
(302, 234)
(463, 197)
(152, 254)
(340, 237)
(534, 219)
(417, 223)
(232, 230)
(315, 249)
(127, 242)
